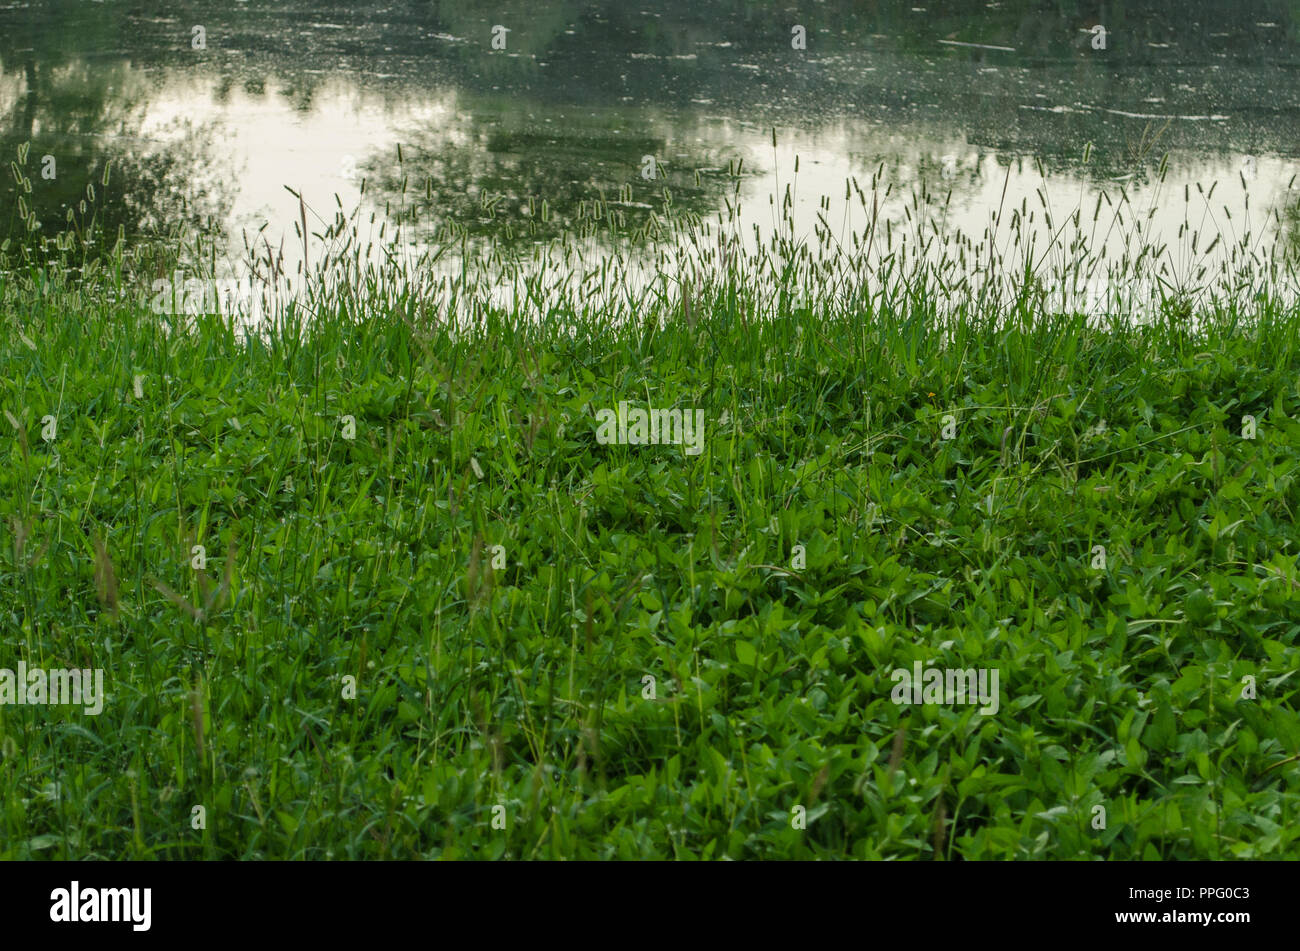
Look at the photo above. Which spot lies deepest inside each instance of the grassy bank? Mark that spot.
(365, 584)
(522, 685)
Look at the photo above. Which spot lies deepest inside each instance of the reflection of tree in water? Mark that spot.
(79, 115)
(175, 186)
(152, 194)
(1289, 217)
(492, 177)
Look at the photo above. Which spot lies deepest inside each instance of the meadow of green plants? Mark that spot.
(427, 591)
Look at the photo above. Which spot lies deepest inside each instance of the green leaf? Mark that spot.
(746, 653)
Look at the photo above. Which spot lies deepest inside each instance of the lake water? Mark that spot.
(208, 110)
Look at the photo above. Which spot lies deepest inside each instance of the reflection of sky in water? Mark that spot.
(349, 132)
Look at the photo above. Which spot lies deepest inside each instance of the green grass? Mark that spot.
(522, 685)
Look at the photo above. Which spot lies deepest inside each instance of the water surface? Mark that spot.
(990, 104)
